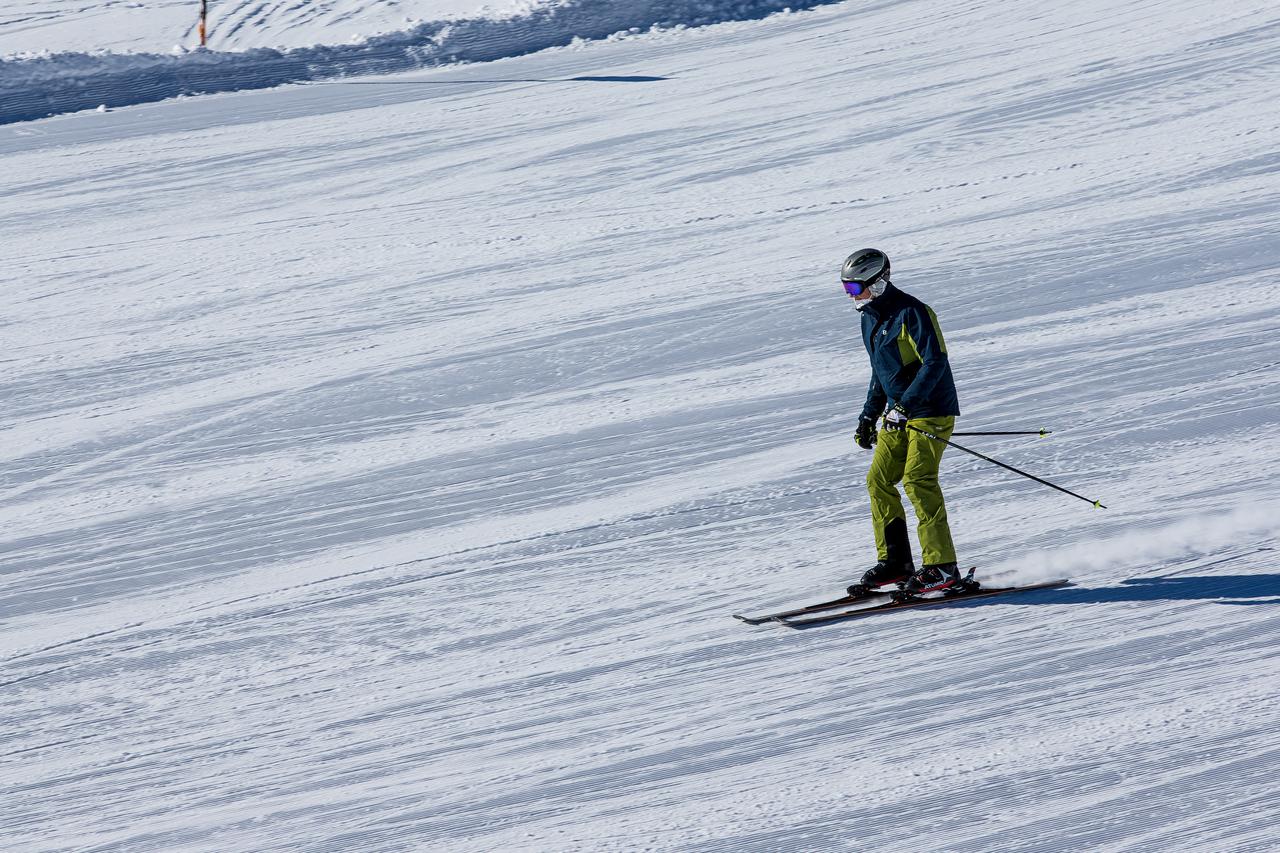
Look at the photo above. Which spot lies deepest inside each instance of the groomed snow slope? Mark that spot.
(157, 26)
(383, 461)
(40, 86)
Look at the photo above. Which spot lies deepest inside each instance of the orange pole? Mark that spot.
(204, 14)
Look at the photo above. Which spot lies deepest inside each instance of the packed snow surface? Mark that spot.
(383, 459)
(155, 26)
(37, 86)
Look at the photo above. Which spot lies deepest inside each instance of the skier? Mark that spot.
(911, 378)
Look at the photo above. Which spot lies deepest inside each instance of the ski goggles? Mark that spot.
(854, 288)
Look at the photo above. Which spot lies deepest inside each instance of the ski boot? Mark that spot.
(895, 568)
(881, 574)
(938, 577)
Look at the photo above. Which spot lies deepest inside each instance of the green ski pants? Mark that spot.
(912, 459)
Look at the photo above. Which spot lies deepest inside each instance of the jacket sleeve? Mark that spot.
(926, 337)
(876, 399)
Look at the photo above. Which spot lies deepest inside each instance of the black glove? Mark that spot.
(865, 435)
(896, 420)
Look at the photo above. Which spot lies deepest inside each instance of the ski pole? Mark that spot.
(1040, 432)
(1096, 504)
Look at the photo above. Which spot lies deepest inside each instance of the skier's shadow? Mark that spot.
(1223, 589)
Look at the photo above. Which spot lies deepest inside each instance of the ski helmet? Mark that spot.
(865, 266)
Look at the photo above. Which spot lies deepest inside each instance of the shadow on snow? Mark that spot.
(1224, 589)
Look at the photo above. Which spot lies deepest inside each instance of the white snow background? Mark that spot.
(157, 26)
(384, 458)
(38, 84)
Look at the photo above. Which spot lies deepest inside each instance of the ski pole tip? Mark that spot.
(1098, 505)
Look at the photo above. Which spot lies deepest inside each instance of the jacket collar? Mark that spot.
(883, 304)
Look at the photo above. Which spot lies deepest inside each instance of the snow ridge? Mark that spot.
(68, 82)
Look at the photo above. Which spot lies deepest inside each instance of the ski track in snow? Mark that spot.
(382, 462)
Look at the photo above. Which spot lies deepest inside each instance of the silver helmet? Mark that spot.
(865, 266)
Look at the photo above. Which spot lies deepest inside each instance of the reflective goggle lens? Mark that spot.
(853, 288)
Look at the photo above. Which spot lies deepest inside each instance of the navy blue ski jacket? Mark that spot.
(909, 365)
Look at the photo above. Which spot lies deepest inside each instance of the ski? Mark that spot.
(888, 589)
(813, 608)
(969, 595)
